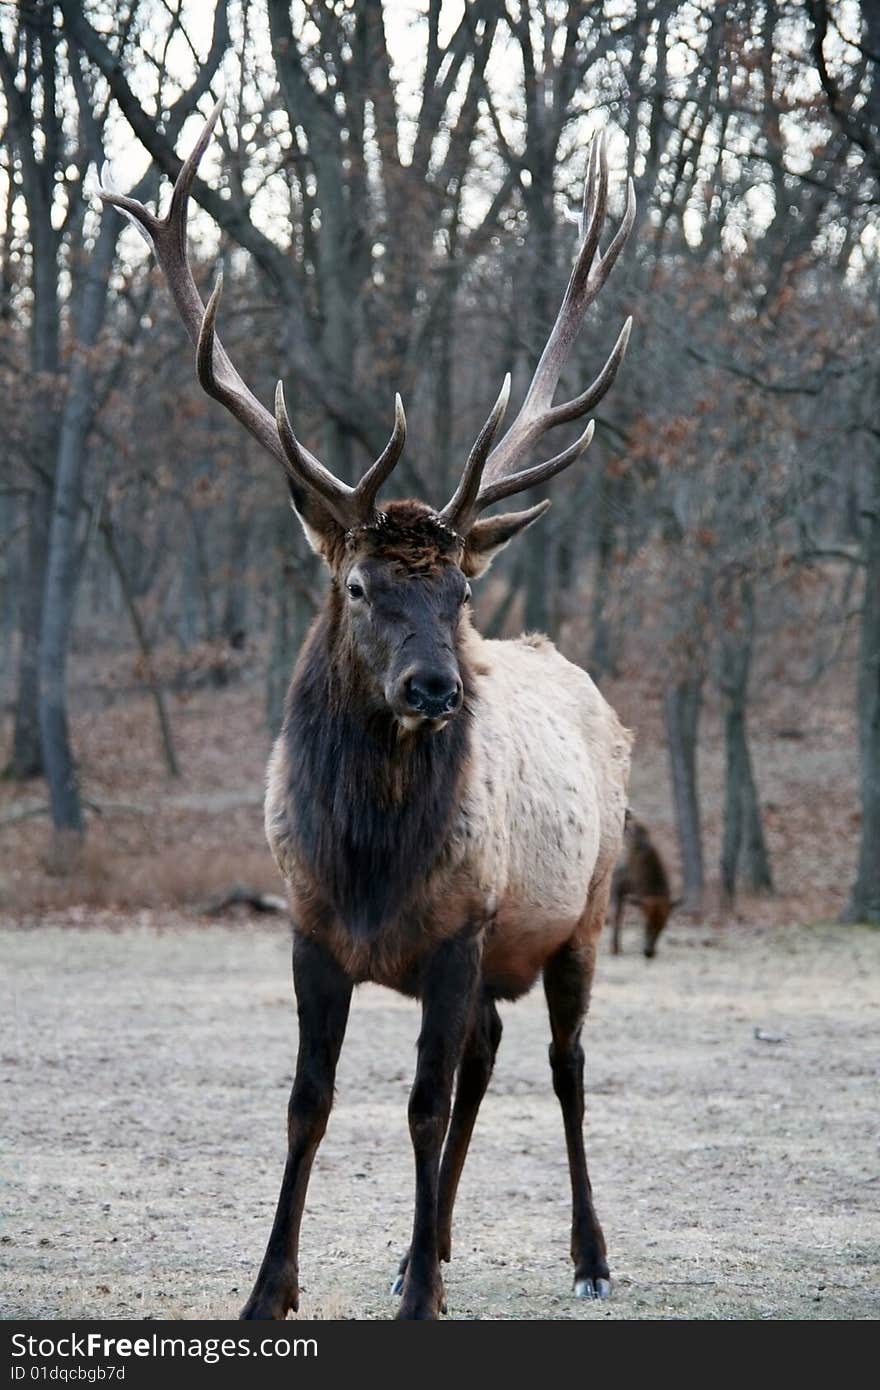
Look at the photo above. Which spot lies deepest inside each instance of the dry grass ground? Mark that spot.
(145, 1066)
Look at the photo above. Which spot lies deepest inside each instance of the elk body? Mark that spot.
(446, 811)
(640, 877)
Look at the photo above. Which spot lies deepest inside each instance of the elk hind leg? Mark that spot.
(567, 979)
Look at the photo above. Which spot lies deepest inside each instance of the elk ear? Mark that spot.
(322, 531)
(487, 537)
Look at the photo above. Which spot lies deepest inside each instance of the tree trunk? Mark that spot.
(203, 572)
(602, 646)
(62, 569)
(734, 777)
(29, 132)
(743, 844)
(537, 578)
(168, 750)
(7, 591)
(294, 611)
(26, 757)
(756, 857)
(864, 900)
(496, 621)
(238, 528)
(682, 705)
(444, 349)
(27, 753)
(743, 834)
(188, 602)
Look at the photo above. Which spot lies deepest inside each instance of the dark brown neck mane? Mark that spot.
(371, 809)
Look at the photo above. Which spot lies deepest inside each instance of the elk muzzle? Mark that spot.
(427, 694)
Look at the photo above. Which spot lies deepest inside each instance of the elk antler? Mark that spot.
(488, 477)
(307, 477)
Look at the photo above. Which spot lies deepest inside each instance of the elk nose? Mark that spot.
(433, 693)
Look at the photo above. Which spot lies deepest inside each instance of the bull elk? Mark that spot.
(446, 810)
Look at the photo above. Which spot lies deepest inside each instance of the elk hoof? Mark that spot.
(397, 1282)
(429, 1301)
(592, 1288)
(255, 1310)
(421, 1308)
(272, 1301)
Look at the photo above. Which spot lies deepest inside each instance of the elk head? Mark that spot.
(400, 574)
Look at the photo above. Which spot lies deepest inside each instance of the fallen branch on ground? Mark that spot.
(244, 894)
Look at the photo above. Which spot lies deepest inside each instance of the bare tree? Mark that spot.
(859, 122)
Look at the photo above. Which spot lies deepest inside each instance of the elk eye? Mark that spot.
(356, 590)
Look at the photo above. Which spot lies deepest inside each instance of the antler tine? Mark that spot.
(579, 405)
(588, 198)
(369, 485)
(134, 212)
(504, 473)
(227, 386)
(178, 208)
(351, 506)
(538, 473)
(458, 510)
(168, 234)
(618, 241)
(207, 341)
(595, 188)
(340, 499)
(577, 297)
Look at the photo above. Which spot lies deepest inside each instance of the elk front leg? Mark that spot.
(474, 1072)
(449, 989)
(323, 994)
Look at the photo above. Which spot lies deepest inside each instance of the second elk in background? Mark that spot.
(641, 878)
